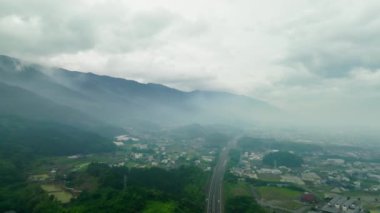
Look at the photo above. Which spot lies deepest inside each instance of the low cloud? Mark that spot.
(333, 42)
(314, 57)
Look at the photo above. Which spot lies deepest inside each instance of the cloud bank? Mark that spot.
(309, 57)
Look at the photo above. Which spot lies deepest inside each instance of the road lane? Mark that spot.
(215, 193)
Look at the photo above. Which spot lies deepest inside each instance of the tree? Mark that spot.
(282, 159)
(243, 204)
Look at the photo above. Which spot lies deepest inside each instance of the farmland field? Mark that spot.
(57, 192)
(276, 193)
(236, 189)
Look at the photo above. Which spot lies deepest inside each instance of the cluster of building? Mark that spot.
(329, 176)
(164, 153)
(316, 170)
(340, 204)
(349, 176)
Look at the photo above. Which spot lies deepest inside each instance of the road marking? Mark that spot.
(214, 198)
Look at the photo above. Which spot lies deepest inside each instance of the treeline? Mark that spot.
(119, 189)
(23, 197)
(21, 142)
(136, 190)
(282, 159)
(244, 204)
(262, 144)
(15, 193)
(234, 157)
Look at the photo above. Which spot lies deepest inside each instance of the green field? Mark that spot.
(236, 189)
(51, 188)
(81, 167)
(63, 163)
(57, 192)
(291, 205)
(281, 197)
(278, 193)
(160, 207)
(63, 197)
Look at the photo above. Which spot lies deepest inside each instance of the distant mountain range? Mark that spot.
(52, 111)
(37, 92)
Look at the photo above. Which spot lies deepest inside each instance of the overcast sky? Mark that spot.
(301, 55)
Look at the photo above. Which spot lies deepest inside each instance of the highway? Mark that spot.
(215, 192)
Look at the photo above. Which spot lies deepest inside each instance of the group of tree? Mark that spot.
(136, 190)
(234, 157)
(15, 192)
(244, 204)
(283, 159)
(119, 189)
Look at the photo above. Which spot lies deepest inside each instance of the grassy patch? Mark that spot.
(292, 205)
(51, 188)
(236, 189)
(62, 196)
(277, 193)
(81, 167)
(160, 207)
(281, 196)
(239, 198)
(58, 193)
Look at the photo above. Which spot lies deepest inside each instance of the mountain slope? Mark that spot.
(28, 121)
(24, 103)
(49, 138)
(127, 103)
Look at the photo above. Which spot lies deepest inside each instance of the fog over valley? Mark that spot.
(172, 106)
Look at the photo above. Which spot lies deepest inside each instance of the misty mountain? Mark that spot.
(49, 138)
(26, 104)
(126, 102)
(34, 123)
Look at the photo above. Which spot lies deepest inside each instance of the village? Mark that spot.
(165, 153)
(321, 182)
(133, 152)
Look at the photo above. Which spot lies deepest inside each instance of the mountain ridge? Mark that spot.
(124, 102)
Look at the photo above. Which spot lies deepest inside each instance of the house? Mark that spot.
(311, 177)
(341, 204)
(208, 158)
(117, 143)
(269, 171)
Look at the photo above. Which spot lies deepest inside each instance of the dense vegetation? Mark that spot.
(22, 141)
(243, 204)
(15, 193)
(282, 159)
(238, 196)
(145, 190)
(34, 124)
(49, 138)
(234, 157)
(180, 190)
